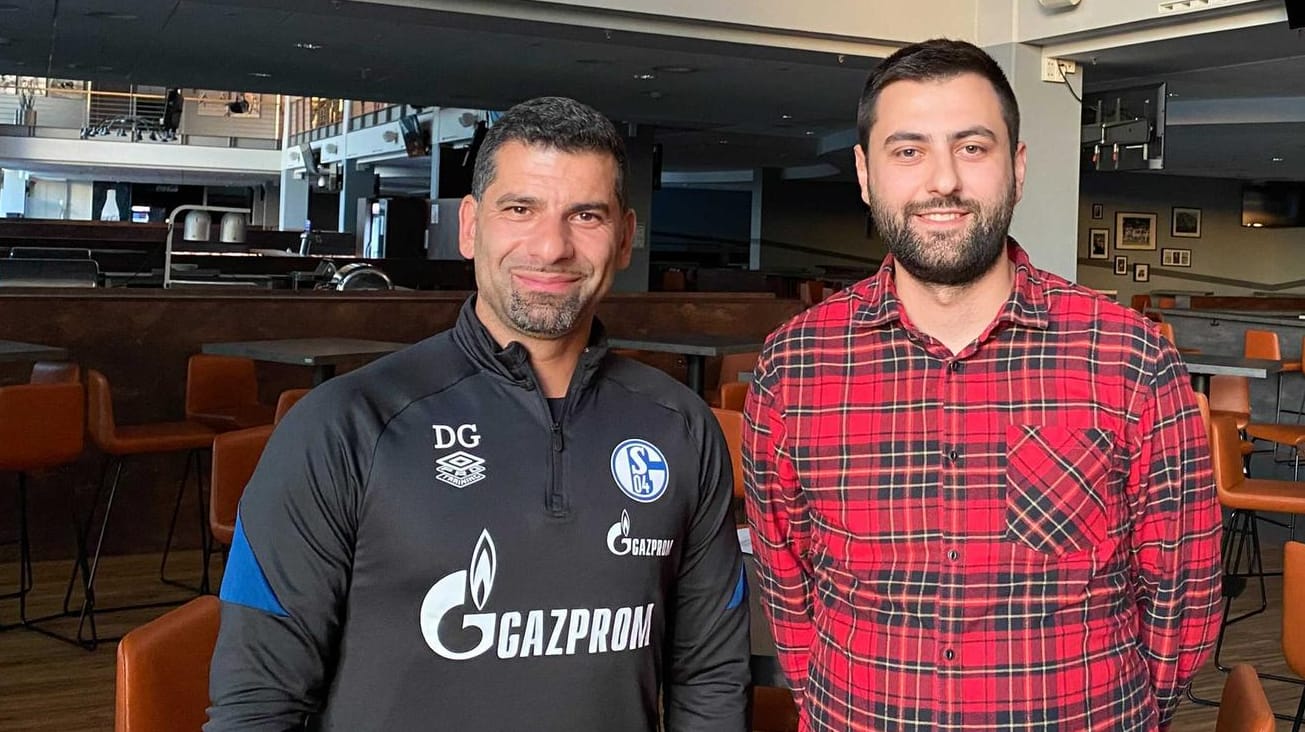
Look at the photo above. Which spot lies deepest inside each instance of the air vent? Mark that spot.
(1173, 7)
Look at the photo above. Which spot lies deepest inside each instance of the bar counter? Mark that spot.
(140, 340)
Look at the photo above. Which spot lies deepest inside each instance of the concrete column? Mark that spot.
(294, 202)
(1046, 220)
(13, 193)
(762, 178)
(638, 191)
(354, 184)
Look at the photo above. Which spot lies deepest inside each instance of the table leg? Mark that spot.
(322, 372)
(695, 372)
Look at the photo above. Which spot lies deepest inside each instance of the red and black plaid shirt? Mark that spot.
(1023, 536)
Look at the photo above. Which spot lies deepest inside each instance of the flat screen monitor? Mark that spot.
(1273, 205)
(414, 137)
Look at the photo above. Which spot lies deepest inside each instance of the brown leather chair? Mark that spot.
(731, 423)
(731, 366)
(734, 395)
(1243, 706)
(56, 372)
(1264, 344)
(673, 280)
(163, 670)
(222, 393)
(811, 292)
(1244, 497)
(235, 455)
(41, 426)
(1293, 616)
(288, 398)
(1230, 396)
(119, 442)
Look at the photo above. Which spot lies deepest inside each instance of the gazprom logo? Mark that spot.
(639, 468)
(463, 596)
(620, 543)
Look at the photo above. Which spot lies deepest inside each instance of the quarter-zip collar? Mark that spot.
(512, 362)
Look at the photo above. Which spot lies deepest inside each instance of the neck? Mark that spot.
(956, 315)
(553, 360)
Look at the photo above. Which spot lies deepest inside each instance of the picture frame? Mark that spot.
(1121, 265)
(1135, 230)
(1141, 272)
(1175, 257)
(1185, 222)
(1098, 243)
(1098, 211)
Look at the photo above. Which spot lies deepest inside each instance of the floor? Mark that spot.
(47, 685)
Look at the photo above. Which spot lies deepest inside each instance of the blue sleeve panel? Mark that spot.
(740, 591)
(243, 581)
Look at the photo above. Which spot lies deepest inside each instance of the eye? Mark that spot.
(973, 149)
(588, 217)
(908, 153)
(517, 210)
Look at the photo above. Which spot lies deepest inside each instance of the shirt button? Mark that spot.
(953, 555)
(956, 366)
(949, 654)
(952, 456)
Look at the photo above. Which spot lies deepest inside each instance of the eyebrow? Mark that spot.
(520, 199)
(975, 131)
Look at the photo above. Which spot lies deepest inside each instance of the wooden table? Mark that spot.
(19, 351)
(1202, 367)
(323, 354)
(694, 347)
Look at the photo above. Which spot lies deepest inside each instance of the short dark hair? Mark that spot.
(939, 59)
(553, 122)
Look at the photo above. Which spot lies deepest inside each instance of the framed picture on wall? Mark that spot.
(1098, 243)
(1186, 222)
(1175, 257)
(1121, 265)
(1134, 230)
(1098, 211)
(1141, 272)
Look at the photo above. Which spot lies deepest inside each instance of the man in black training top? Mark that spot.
(501, 527)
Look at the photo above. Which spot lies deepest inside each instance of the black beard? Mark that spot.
(976, 252)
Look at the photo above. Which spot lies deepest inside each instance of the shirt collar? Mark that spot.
(1026, 306)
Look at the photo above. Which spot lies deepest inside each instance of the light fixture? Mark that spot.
(809, 132)
(786, 116)
(305, 46)
(673, 69)
(260, 74)
(645, 77)
(1275, 159)
(196, 229)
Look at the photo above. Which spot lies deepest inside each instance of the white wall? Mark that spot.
(261, 127)
(1227, 260)
(1038, 23)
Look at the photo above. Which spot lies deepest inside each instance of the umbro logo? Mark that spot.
(460, 469)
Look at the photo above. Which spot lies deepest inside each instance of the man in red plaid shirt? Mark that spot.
(980, 495)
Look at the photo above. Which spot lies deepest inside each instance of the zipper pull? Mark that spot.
(557, 437)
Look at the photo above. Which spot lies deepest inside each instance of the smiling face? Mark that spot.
(548, 235)
(939, 176)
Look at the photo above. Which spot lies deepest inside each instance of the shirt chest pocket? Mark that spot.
(1057, 481)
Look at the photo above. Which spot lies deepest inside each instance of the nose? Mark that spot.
(943, 177)
(550, 241)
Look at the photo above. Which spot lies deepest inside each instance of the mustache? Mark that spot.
(952, 202)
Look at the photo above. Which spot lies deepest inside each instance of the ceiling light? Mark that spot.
(645, 77)
(675, 69)
(1257, 225)
(111, 15)
(1174, 94)
(809, 132)
(305, 46)
(786, 116)
(722, 142)
(1275, 159)
(260, 74)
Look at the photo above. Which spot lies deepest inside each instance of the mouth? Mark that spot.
(942, 217)
(545, 281)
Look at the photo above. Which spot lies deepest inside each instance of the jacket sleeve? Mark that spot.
(708, 674)
(1175, 542)
(781, 528)
(286, 578)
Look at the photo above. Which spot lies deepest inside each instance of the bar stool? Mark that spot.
(222, 393)
(1264, 344)
(731, 424)
(1245, 497)
(56, 372)
(287, 399)
(1243, 707)
(118, 443)
(41, 426)
(235, 455)
(163, 670)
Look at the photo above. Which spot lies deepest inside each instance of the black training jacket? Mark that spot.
(424, 547)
